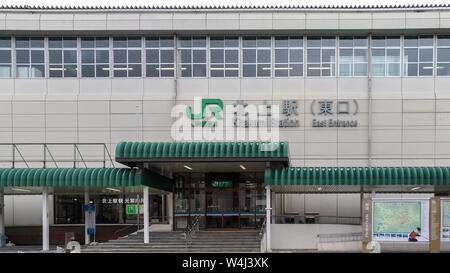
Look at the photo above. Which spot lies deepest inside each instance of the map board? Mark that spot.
(394, 219)
(445, 220)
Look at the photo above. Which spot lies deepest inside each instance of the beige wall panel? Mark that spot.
(393, 135)
(126, 107)
(256, 89)
(22, 21)
(418, 88)
(29, 136)
(288, 89)
(6, 89)
(93, 107)
(94, 121)
(61, 107)
(441, 87)
(418, 149)
(93, 136)
(28, 107)
(310, 162)
(358, 149)
(158, 106)
(29, 121)
(61, 121)
(190, 88)
(324, 88)
(65, 136)
(386, 149)
(122, 21)
(56, 22)
(224, 88)
(87, 21)
(163, 89)
(127, 89)
(386, 88)
(91, 89)
(416, 106)
(386, 119)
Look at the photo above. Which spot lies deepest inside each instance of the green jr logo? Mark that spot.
(198, 118)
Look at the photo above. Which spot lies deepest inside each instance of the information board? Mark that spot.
(394, 220)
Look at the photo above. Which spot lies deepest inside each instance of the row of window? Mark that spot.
(229, 57)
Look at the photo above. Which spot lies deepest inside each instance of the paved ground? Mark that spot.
(28, 249)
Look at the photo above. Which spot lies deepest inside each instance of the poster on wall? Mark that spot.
(395, 219)
(445, 219)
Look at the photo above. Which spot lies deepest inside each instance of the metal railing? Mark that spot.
(263, 229)
(315, 219)
(339, 237)
(191, 230)
(46, 157)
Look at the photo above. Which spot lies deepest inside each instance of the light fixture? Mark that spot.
(427, 67)
(283, 68)
(19, 189)
(165, 68)
(187, 167)
(222, 68)
(416, 188)
(123, 68)
(112, 189)
(319, 188)
(242, 167)
(318, 68)
(266, 68)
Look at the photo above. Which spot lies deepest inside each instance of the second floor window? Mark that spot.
(5, 57)
(127, 56)
(95, 57)
(192, 57)
(224, 57)
(256, 56)
(418, 56)
(443, 55)
(62, 56)
(30, 57)
(288, 56)
(321, 56)
(159, 53)
(386, 56)
(352, 56)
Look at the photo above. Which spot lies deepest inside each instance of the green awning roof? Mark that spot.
(82, 177)
(201, 151)
(358, 176)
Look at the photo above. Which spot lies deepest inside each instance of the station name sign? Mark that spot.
(325, 112)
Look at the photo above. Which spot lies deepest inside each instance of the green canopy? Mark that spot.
(358, 176)
(82, 177)
(199, 151)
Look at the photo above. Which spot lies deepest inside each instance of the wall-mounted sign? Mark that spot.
(323, 108)
(221, 184)
(132, 209)
(394, 220)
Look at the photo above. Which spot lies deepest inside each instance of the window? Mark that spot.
(30, 58)
(5, 57)
(192, 56)
(321, 56)
(288, 56)
(385, 56)
(352, 56)
(224, 57)
(95, 57)
(443, 55)
(159, 57)
(256, 56)
(127, 57)
(418, 55)
(62, 56)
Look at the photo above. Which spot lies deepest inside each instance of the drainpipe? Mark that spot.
(268, 218)
(369, 109)
(45, 224)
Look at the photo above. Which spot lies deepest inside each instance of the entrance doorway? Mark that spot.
(221, 200)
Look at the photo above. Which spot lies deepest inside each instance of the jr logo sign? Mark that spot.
(215, 110)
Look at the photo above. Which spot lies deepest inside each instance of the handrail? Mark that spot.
(191, 229)
(263, 229)
(124, 228)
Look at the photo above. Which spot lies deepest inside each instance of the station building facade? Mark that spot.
(354, 88)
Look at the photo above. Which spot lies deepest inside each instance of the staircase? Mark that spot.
(173, 242)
